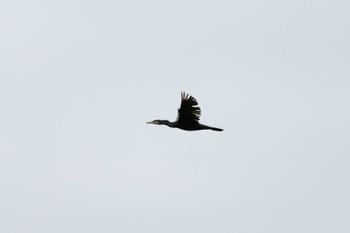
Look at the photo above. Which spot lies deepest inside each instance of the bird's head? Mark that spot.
(159, 122)
(155, 122)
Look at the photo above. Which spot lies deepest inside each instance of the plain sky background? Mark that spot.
(80, 79)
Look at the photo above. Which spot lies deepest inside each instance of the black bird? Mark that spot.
(187, 116)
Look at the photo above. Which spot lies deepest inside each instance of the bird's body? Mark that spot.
(188, 116)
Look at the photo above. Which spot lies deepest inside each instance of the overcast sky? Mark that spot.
(80, 79)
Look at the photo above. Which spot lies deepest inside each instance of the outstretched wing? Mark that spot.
(189, 110)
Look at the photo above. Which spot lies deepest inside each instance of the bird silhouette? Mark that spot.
(187, 116)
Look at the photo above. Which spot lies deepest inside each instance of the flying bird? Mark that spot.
(187, 116)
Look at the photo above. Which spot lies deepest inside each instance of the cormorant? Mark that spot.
(187, 116)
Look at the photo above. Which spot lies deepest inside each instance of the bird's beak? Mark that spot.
(150, 122)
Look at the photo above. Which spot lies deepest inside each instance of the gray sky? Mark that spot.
(79, 80)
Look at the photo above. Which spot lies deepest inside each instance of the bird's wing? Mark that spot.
(189, 109)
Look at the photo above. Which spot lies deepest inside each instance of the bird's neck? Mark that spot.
(166, 122)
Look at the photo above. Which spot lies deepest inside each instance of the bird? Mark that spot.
(187, 116)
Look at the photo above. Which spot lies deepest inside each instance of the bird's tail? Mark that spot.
(215, 129)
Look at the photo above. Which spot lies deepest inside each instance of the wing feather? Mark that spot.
(189, 110)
